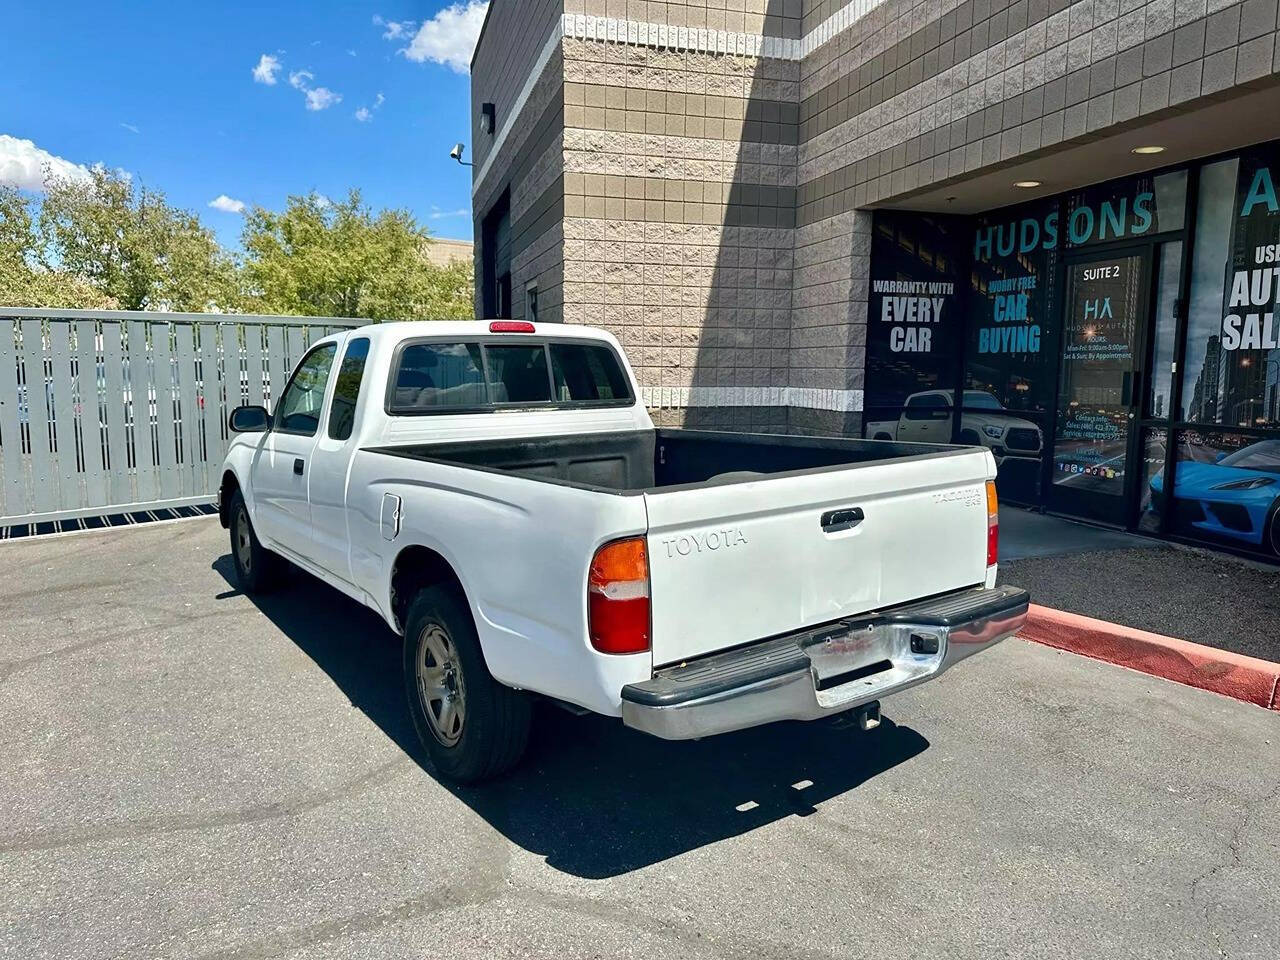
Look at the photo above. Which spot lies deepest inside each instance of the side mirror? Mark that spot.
(250, 419)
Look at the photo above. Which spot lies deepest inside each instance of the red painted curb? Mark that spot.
(1231, 674)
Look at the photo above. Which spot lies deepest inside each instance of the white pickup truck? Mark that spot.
(497, 492)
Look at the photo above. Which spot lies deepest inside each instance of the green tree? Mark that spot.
(127, 243)
(24, 280)
(326, 259)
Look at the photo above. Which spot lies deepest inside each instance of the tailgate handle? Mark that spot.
(833, 521)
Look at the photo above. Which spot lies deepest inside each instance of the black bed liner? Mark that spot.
(636, 461)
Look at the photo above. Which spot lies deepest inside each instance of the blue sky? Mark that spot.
(368, 95)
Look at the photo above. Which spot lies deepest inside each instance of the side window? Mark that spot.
(433, 375)
(531, 303)
(342, 417)
(299, 407)
(925, 406)
(586, 374)
(518, 374)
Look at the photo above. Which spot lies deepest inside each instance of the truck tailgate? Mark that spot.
(736, 562)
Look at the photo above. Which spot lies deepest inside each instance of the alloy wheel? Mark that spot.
(440, 686)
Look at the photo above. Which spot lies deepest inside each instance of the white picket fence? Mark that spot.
(109, 412)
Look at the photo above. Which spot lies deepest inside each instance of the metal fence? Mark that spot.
(110, 412)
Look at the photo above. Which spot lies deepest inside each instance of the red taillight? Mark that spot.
(618, 597)
(993, 524)
(511, 326)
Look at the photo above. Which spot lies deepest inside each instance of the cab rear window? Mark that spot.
(433, 376)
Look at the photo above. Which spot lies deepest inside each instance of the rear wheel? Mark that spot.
(473, 727)
(257, 568)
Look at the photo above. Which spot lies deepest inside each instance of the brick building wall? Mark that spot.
(697, 176)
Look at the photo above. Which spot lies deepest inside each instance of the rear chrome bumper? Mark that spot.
(825, 670)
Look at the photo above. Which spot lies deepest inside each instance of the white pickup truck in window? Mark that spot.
(497, 492)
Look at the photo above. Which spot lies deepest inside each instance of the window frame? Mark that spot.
(484, 341)
(324, 398)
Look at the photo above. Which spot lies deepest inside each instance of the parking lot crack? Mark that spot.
(1232, 861)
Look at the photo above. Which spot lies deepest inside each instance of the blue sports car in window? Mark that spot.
(1236, 498)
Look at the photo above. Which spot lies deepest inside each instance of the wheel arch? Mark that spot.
(415, 568)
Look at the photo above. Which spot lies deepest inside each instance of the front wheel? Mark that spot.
(1273, 529)
(257, 568)
(473, 727)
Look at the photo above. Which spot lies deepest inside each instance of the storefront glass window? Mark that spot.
(1232, 371)
(1227, 489)
(913, 326)
(1153, 459)
(1164, 330)
(1011, 343)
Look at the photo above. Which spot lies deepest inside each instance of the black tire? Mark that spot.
(492, 721)
(258, 570)
(1273, 529)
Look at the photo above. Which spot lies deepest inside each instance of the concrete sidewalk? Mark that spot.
(1208, 598)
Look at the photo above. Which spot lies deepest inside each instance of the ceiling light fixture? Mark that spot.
(1145, 151)
(1027, 184)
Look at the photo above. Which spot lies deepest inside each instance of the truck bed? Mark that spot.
(645, 461)
(845, 527)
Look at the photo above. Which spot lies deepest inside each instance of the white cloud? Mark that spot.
(394, 29)
(365, 114)
(132, 128)
(266, 70)
(449, 37)
(322, 201)
(227, 204)
(318, 98)
(27, 167)
(450, 214)
(322, 98)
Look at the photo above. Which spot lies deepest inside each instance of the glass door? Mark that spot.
(1094, 448)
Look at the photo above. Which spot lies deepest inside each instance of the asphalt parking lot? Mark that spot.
(191, 775)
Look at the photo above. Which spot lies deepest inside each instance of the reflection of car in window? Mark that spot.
(981, 400)
(1236, 496)
(984, 422)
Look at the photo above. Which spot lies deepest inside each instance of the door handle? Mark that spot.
(297, 465)
(833, 521)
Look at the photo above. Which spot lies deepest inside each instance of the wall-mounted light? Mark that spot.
(488, 115)
(1027, 184)
(1147, 151)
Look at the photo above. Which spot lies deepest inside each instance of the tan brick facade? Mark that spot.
(697, 176)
